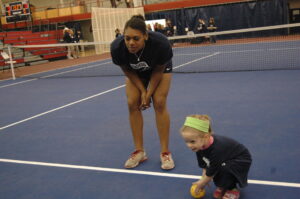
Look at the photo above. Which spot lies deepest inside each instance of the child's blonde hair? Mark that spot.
(201, 133)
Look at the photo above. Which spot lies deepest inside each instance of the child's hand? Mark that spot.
(200, 185)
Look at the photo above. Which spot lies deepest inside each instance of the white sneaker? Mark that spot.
(135, 159)
(167, 162)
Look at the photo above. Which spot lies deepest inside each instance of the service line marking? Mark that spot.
(61, 107)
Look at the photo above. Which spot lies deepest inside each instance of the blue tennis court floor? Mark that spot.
(69, 137)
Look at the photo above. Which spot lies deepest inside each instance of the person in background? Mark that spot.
(161, 28)
(79, 39)
(169, 29)
(201, 28)
(212, 28)
(118, 33)
(146, 60)
(129, 3)
(223, 160)
(149, 28)
(68, 37)
(75, 48)
(113, 3)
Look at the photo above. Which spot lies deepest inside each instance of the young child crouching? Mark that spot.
(224, 160)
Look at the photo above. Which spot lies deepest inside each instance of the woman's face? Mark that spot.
(134, 39)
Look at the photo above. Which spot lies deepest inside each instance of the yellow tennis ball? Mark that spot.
(197, 195)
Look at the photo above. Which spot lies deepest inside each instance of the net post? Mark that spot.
(11, 63)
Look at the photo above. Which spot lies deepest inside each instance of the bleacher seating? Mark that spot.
(28, 56)
(17, 57)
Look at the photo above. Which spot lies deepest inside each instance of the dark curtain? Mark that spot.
(230, 16)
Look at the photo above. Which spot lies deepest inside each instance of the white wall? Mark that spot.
(106, 20)
(87, 30)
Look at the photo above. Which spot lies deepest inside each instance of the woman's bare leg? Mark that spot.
(161, 112)
(135, 114)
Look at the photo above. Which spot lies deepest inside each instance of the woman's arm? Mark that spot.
(155, 79)
(134, 78)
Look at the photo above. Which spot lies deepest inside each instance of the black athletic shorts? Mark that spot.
(145, 77)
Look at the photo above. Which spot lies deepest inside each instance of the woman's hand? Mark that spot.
(145, 101)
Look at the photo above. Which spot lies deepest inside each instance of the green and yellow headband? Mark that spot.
(198, 124)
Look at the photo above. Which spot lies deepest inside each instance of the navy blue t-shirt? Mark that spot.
(226, 153)
(157, 52)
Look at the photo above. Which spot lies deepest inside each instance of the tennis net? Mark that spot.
(263, 48)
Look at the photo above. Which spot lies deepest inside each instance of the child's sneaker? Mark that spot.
(167, 161)
(232, 194)
(219, 193)
(135, 159)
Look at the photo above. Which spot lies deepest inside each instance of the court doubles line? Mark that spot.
(21, 82)
(195, 60)
(61, 107)
(77, 69)
(150, 173)
(93, 64)
(90, 97)
(241, 51)
(259, 50)
(241, 44)
(188, 54)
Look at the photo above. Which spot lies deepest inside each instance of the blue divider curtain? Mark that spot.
(229, 16)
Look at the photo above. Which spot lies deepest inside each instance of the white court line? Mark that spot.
(21, 82)
(242, 51)
(295, 48)
(90, 97)
(77, 69)
(187, 54)
(69, 71)
(61, 107)
(238, 44)
(127, 171)
(216, 53)
(257, 50)
(272, 183)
